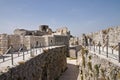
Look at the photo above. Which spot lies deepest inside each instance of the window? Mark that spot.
(36, 43)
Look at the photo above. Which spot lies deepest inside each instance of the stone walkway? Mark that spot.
(72, 72)
(112, 57)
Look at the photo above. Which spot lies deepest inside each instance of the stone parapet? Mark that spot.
(47, 66)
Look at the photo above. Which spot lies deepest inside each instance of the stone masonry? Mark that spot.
(93, 67)
(47, 66)
(34, 38)
(112, 32)
(3, 43)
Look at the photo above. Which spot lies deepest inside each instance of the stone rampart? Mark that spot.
(47, 66)
(95, 67)
(113, 34)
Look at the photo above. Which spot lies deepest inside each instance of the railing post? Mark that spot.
(94, 47)
(112, 50)
(99, 49)
(11, 54)
(107, 50)
(119, 51)
(107, 46)
(36, 50)
(31, 50)
(12, 57)
(23, 56)
(3, 58)
(18, 53)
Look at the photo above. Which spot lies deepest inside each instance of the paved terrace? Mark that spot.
(21, 57)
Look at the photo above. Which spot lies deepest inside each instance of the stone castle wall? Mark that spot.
(95, 67)
(47, 66)
(113, 33)
(33, 41)
(34, 38)
(3, 43)
(15, 41)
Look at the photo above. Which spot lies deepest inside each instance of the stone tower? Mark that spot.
(43, 28)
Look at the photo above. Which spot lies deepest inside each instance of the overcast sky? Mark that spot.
(80, 16)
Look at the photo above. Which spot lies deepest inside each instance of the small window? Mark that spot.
(36, 43)
(51, 41)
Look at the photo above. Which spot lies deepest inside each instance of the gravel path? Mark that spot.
(72, 72)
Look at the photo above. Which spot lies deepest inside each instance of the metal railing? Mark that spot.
(11, 54)
(21, 53)
(107, 51)
(3, 55)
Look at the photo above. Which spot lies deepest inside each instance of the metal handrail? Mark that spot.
(115, 47)
(6, 53)
(115, 56)
(20, 49)
(104, 45)
(8, 50)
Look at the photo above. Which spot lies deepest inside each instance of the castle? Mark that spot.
(34, 38)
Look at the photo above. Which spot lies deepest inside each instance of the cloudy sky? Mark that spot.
(80, 16)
